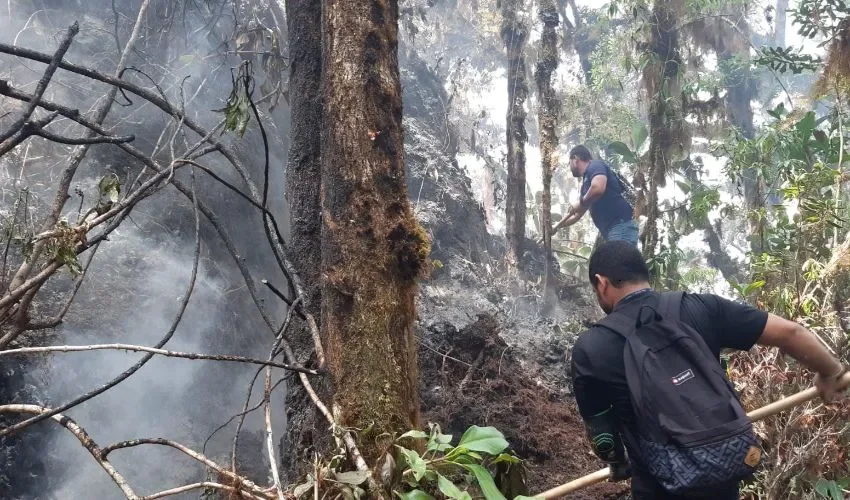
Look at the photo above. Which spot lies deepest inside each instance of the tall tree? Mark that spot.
(303, 181)
(734, 52)
(780, 22)
(372, 247)
(514, 35)
(547, 120)
(667, 127)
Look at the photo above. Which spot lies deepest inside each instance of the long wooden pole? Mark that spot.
(755, 415)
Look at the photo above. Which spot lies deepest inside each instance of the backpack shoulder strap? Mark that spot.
(670, 305)
(618, 323)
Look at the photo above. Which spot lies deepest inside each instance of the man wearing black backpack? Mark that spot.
(602, 193)
(648, 377)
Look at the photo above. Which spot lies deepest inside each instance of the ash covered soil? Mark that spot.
(488, 356)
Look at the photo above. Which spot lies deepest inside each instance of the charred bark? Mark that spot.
(372, 247)
(514, 35)
(547, 120)
(303, 180)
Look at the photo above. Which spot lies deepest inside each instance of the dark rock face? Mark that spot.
(439, 188)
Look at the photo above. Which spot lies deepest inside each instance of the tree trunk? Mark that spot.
(667, 127)
(303, 180)
(580, 42)
(780, 23)
(547, 120)
(717, 256)
(372, 247)
(741, 90)
(514, 34)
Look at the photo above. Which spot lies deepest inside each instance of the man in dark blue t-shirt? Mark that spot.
(602, 193)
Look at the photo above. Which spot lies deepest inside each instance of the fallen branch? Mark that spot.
(84, 439)
(161, 352)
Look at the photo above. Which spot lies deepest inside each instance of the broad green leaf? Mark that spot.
(485, 481)
(822, 488)
(624, 151)
(414, 495)
(415, 434)
(684, 186)
(639, 135)
(417, 465)
(451, 490)
(523, 497)
(484, 439)
(353, 477)
(806, 125)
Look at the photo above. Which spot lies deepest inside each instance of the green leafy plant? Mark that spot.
(832, 490)
(454, 471)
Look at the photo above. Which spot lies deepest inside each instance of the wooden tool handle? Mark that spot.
(755, 415)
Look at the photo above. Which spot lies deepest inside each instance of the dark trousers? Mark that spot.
(646, 489)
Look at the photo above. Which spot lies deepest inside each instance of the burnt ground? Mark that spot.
(488, 357)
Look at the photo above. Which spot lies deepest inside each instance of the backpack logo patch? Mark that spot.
(683, 377)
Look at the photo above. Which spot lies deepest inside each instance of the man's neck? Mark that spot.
(630, 288)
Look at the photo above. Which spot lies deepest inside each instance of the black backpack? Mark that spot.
(692, 430)
(626, 189)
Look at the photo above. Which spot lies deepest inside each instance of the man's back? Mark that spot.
(612, 208)
(598, 370)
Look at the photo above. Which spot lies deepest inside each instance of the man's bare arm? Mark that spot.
(805, 347)
(597, 188)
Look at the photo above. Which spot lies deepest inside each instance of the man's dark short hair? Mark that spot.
(580, 152)
(620, 262)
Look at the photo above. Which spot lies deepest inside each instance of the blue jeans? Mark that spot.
(626, 231)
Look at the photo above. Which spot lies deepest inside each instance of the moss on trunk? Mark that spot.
(547, 120)
(514, 35)
(372, 247)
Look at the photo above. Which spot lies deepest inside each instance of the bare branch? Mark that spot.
(80, 141)
(278, 243)
(241, 481)
(184, 301)
(84, 439)
(24, 132)
(161, 352)
(52, 65)
(274, 352)
(79, 152)
(270, 448)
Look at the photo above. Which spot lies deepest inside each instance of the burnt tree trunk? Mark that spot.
(303, 180)
(514, 35)
(667, 128)
(547, 120)
(372, 247)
